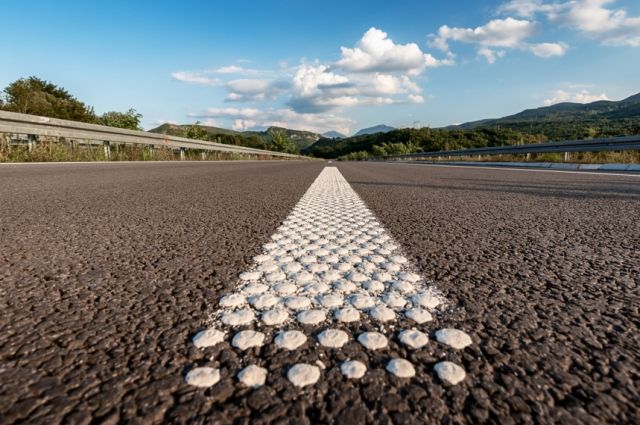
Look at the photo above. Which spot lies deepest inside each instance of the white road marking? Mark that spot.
(330, 261)
(449, 373)
(401, 368)
(302, 374)
(203, 377)
(253, 376)
(353, 369)
(453, 338)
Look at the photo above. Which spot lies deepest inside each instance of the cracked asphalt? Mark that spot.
(106, 270)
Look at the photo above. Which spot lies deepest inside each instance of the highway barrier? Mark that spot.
(34, 126)
(566, 147)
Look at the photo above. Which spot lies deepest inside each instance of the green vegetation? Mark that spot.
(129, 120)
(281, 142)
(39, 97)
(411, 140)
(50, 149)
(252, 139)
(565, 121)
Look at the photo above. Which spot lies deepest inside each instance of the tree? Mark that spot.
(280, 142)
(130, 119)
(196, 131)
(39, 97)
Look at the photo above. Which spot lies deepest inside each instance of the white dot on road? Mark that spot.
(244, 340)
(203, 377)
(453, 338)
(253, 376)
(449, 373)
(208, 338)
(373, 340)
(401, 368)
(290, 340)
(334, 338)
(353, 369)
(302, 375)
(413, 338)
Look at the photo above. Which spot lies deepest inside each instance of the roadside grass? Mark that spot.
(52, 150)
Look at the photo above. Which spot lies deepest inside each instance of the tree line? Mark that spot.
(35, 96)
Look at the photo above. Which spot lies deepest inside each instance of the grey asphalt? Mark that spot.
(106, 270)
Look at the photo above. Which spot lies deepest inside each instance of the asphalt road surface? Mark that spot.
(108, 271)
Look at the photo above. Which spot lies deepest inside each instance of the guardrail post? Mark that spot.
(151, 149)
(204, 155)
(182, 154)
(566, 157)
(32, 139)
(107, 149)
(528, 156)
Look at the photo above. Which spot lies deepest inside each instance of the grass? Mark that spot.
(60, 150)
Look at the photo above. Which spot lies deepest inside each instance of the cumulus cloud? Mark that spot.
(376, 52)
(490, 55)
(495, 36)
(582, 96)
(317, 88)
(592, 18)
(259, 119)
(548, 50)
(508, 32)
(253, 90)
(199, 78)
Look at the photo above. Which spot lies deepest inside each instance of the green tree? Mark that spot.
(196, 131)
(281, 142)
(39, 97)
(130, 119)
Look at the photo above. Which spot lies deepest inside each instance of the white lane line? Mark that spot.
(621, 174)
(330, 261)
(334, 261)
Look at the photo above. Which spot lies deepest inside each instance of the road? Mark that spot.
(107, 271)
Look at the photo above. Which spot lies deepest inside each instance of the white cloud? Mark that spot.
(252, 90)
(490, 55)
(582, 96)
(497, 35)
(591, 17)
(548, 50)
(317, 88)
(415, 98)
(258, 119)
(376, 52)
(507, 32)
(199, 78)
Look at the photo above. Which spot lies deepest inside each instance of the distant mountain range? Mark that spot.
(333, 135)
(541, 120)
(302, 139)
(380, 128)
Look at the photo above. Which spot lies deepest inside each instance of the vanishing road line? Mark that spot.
(331, 275)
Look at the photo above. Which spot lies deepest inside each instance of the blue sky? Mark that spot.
(331, 65)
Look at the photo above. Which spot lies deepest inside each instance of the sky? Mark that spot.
(330, 65)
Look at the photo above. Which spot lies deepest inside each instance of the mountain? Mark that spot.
(180, 129)
(602, 115)
(380, 128)
(301, 138)
(333, 135)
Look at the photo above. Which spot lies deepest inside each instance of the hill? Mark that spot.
(300, 138)
(333, 135)
(380, 128)
(571, 120)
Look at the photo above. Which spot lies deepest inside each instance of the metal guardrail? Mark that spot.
(591, 145)
(32, 125)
